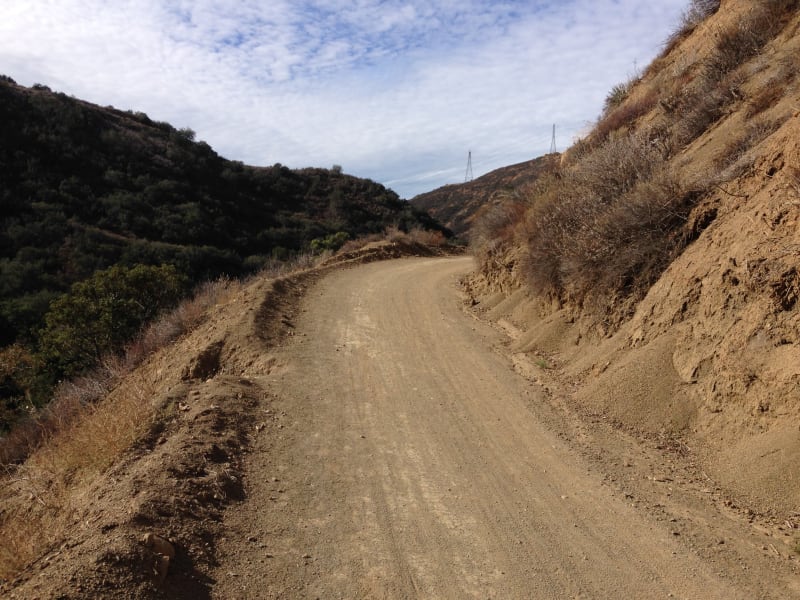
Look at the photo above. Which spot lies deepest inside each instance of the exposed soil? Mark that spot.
(415, 462)
(707, 365)
(360, 433)
(174, 485)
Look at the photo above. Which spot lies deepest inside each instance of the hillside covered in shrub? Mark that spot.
(83, 188)
(109, 218)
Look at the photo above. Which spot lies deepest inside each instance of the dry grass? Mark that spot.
(624, 115)
(38, 495)
(794, 180)
(495, 224)
(100, 432)
(414, 236)
(704, 105)
(697, 12)
(603, 230)
(719, 83)
(26, 530)
(618, 95)
(607, 228)
(765, 99)
(615, 167)
(434, 239)
(359, 243)
(737, 157)
(72, 398)
(747, 37)
(91, 421)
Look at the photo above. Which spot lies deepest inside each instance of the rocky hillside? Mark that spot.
(456, 205)
(658, 264)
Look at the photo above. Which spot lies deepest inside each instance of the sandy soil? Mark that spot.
(407, 458)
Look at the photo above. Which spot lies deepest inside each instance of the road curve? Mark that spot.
(406, 465)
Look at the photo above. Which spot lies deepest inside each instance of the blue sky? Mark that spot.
(397, 91)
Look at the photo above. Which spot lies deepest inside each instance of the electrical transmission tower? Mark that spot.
(553, 141)
(468, 175)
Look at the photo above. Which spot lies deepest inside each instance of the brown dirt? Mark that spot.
(398, 448)
(709, 362)
(414, 462)
(625, 413)
(177, 481)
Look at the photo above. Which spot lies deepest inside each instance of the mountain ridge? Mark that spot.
(85, 187)
(457, 204)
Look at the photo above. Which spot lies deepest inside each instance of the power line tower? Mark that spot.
(468, 175)
(553, 141)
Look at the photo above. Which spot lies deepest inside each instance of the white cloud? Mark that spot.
(397, 91)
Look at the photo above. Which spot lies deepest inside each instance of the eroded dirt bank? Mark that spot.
(410, 460)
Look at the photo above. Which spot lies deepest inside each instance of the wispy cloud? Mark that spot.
(397, 91)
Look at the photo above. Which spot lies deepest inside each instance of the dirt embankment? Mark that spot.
(711, 355)
(708, 368)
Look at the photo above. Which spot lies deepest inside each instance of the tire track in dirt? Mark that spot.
(408, 466)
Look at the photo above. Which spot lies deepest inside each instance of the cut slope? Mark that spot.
(708, 346)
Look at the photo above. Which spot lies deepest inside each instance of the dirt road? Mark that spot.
(402, 461)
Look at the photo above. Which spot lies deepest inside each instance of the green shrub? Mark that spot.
(331, 242)
(101, 314)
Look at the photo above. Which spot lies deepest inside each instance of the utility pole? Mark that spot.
(553, 141)
(468, 175)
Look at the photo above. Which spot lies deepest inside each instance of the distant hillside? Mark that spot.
(83, 188)
(455, 205)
